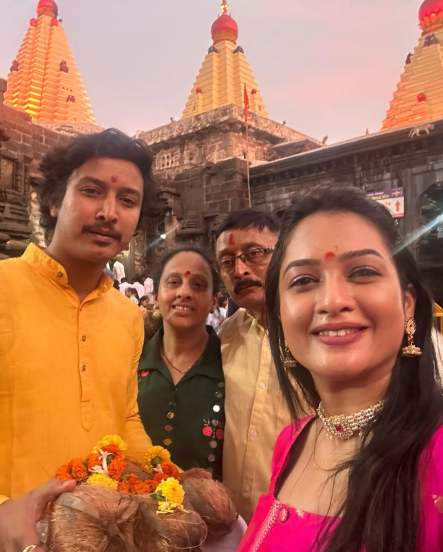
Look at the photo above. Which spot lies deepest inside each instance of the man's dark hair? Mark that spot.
(248, 218)
(58, 165)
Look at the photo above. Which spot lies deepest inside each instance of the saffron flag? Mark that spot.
(246, 104)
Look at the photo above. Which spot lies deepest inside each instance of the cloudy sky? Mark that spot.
(327, 67)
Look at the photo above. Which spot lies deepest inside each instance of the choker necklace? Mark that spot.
(344, 426)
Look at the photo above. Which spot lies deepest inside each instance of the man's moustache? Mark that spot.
(103, 230)
(243, 284)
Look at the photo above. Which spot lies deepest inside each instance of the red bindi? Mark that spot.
(231, 240)
(114, 179)
(188, 273)
(329, 256)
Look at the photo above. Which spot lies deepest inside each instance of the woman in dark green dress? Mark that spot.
(181, 383)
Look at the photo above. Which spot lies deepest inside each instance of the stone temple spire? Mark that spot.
(225, 73)
(419, 94)
(44, 80)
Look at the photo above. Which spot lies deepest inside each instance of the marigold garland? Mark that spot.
(106, 466)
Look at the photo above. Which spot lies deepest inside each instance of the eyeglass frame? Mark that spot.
(266, 251)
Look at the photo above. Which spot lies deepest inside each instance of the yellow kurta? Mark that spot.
(254, 407)
(67, 370)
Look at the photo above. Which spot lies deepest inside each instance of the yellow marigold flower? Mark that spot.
(102, 480)
(171, 491)
(156, 456)
(107, 440)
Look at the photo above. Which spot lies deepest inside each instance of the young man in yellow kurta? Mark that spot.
(70, 342)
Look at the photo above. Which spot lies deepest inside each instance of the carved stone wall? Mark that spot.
(22, 145)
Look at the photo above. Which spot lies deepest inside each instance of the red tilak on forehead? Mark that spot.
(188, 273)
(114, 179)
(330, 256)
(231, 240)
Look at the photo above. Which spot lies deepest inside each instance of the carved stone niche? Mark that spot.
(15, 230)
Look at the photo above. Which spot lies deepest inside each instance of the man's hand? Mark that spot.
(18, 517)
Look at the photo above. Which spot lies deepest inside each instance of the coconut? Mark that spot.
(182, 530)
(211, 500)
(97, 519)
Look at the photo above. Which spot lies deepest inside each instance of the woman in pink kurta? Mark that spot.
(350, 323)
(276, 527)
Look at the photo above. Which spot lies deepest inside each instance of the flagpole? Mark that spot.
(248, 176)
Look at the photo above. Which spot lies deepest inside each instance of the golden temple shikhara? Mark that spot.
(225, 73)
(419, 95)
(44, 80)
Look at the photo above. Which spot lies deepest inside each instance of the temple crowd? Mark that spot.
(298, 362)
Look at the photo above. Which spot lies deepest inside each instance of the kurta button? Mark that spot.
(84, 368)
(83, 338)
(284, 515)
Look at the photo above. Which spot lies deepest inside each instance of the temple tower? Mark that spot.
(419, 94)
(44, 80)
(225, 73)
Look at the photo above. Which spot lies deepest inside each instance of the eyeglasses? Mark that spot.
(252, 256)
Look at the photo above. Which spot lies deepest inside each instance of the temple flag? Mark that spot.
(246, 104)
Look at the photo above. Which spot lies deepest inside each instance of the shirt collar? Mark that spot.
(209, 364)
(43, 263)
(255, 324)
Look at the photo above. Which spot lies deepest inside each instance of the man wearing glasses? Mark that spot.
(255, 409)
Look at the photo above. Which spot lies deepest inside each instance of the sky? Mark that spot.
(326, 67)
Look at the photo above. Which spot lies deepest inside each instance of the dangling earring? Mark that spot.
(411, 350)
(289, 361)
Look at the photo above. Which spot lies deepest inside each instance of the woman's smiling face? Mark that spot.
(342, 308)
(186, 290)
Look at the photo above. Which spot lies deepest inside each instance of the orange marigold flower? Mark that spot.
(123, 487)
(93, 460)
(169, 469)
(78, 469)
(62, 474)
(117, 467)
(144, 487)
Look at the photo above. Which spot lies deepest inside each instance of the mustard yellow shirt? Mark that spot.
(67, 370)
(254, 407)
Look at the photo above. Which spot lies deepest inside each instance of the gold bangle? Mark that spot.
(30, 548)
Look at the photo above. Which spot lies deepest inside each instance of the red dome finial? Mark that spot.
(430, 15)
(47, 7)
(224, 27)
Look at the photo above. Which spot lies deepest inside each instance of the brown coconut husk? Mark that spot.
(181, 530)
(96, 519)
(210, 499)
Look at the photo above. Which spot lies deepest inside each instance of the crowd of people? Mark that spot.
(298, 362)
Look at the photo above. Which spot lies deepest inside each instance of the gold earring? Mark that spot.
(289, 361)
(411, 350)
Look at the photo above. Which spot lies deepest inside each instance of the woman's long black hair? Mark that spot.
(382, 510)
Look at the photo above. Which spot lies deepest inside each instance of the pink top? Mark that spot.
(278, 527)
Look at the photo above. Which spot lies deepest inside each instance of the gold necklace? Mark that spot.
(344, 426)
